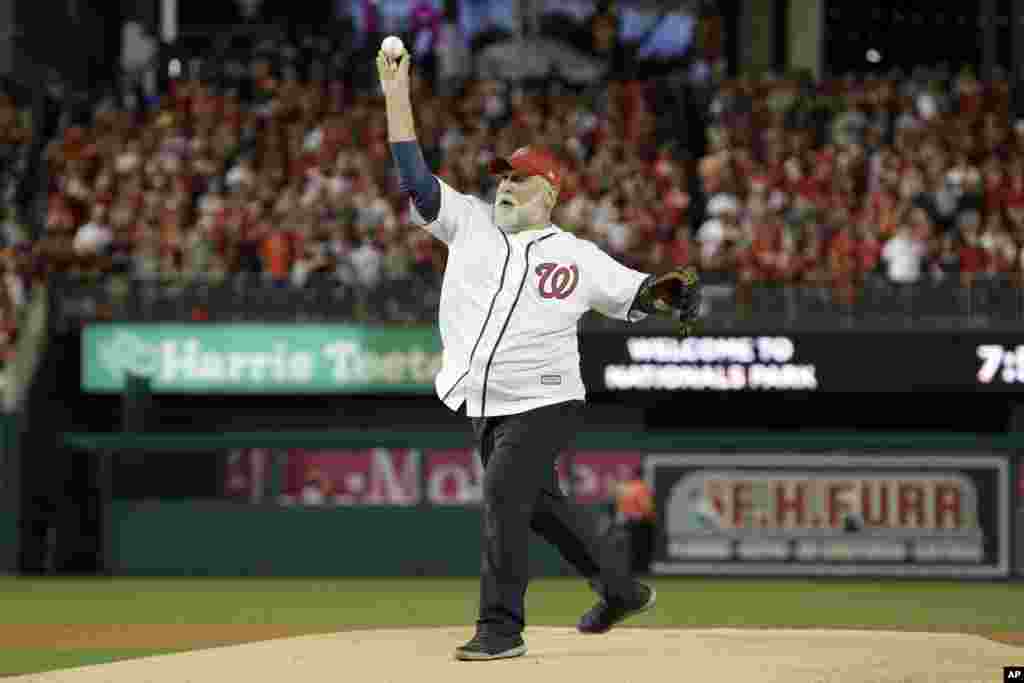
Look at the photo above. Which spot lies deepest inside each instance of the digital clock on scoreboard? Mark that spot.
(1001, 364)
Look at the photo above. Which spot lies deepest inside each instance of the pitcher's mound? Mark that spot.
(559, 655)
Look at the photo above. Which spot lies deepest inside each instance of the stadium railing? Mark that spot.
(988, 303)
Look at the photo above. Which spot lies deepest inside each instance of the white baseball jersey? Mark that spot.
(510, 304)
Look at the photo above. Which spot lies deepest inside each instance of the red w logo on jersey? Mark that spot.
(557, 281)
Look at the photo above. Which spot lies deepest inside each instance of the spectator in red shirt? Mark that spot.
(764, 259)
(973, 259)
(869, 248)
(276, 255)
(843, 262)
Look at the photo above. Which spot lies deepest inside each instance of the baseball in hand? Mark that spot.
(393, 47)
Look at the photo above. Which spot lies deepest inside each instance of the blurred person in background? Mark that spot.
(973, 259)
(92, 239)
(317, 487)
(844, 264)
(904, 255)
(634, 510)
(12, 231)
(945, 262)
(1001, 251)
(13, 283)
(275, 255)
(147, 264)
(719, 236)
(317, 262)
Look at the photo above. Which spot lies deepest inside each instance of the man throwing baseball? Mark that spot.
(514, 288)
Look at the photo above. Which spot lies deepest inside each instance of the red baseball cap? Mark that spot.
(530, 161)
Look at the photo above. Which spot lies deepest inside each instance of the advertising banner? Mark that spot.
(351, 359)
(396, 476)
(845, 361)
(256, 358)
(843, 515)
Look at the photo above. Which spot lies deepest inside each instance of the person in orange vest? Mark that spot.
(634, 508)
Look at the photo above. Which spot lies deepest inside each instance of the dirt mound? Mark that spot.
(559, 655)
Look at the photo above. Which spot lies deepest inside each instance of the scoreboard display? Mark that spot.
(844, 361)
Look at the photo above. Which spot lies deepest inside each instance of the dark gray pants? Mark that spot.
(521, 492)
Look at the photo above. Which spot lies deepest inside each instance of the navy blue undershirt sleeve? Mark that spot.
(415, 178)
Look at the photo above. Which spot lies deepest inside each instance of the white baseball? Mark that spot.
(393, 47)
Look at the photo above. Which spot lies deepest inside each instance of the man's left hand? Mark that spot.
(676, 294)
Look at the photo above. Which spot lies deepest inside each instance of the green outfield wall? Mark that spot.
(8, 495)
(955, 516)
(189, 538)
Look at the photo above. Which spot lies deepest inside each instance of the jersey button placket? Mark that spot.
(502, 305)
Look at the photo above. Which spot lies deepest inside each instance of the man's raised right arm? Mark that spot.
(414, 176)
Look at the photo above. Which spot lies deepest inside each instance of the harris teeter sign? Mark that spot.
(257, 358)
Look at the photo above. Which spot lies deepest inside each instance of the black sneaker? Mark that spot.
(486, 647)
(609, 612)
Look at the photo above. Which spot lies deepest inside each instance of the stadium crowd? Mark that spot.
(15, 147)
(273, 174)
(901, 179)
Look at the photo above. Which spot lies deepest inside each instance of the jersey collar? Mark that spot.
(535, 234)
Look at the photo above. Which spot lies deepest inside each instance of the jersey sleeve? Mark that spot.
(612, 287)
(455, 212)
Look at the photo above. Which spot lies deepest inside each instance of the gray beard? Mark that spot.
(533, 214)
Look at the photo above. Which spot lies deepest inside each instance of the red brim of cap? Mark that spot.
(503, 165)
